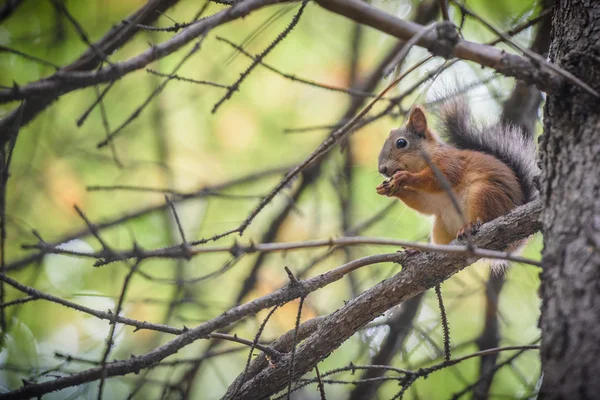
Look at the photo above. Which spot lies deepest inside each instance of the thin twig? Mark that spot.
(96, 313)
(189, 80)
(489, 352)
(28, 57)
(201, 192)
(82, 34)
(254, 344)
(22, 300)
(6, 153)
(99, 98)
(177, 221)
(295, 343)
(320, 384)
(113, 327)
(294, 77)
(239, 249)
(106, 126)
(236, 85)
(152, 95)
(445, 327)
(397, 60)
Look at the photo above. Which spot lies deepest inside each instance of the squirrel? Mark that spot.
(491, 169)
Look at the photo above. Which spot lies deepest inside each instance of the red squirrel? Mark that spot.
(490, 168)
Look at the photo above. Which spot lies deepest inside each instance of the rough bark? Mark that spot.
(570, 158)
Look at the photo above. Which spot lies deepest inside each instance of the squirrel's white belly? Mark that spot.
(441, 206)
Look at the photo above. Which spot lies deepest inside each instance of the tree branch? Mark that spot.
(545, 77)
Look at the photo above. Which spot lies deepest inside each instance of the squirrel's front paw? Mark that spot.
(386, 188)
(396, 183)
(401, 179)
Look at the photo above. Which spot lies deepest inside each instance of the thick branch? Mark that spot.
(546, 78)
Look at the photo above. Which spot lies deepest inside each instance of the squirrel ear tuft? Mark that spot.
(417, 121)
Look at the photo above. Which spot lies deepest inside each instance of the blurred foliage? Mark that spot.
(177, 143)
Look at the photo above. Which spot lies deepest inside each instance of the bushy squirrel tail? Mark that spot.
(509, 144)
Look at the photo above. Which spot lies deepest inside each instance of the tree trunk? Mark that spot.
(570, 158)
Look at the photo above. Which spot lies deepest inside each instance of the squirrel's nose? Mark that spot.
(383, 170)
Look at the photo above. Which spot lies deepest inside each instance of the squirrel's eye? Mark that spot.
(401, 143)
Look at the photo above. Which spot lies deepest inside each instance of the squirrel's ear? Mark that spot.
(417, 121)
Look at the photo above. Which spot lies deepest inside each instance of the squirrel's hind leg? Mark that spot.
(469, 230)
(484, 203)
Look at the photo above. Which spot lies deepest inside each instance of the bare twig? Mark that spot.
(178, 222)
(294, 344)
(4, 49)
(254, 344)
(239, 249)
(202, 192)
(182, 79)
(6, 153)
(294, 77)
(406, 48)
(445, 327)
(109, 316)
(22, 300)
(410, 376)
(320, 383)
(155, 92)
(235, 86)
(113, 327)
(489, 352)
(82, 34)
(99, 98)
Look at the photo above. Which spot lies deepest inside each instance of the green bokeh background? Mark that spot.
(178, 143)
